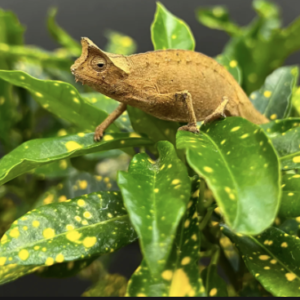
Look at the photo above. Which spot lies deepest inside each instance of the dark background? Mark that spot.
(91, 18)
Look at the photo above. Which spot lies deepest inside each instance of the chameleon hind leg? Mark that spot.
(219, 112)
(186, 98)
(109, 120)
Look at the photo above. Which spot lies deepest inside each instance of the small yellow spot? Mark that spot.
(77, 218)
(89, 242)
(194, 237)
(49, 261)
(156, 190)
(48, 199)
(186, 260)
(232, 196)
(141, 295)
(22, 77)
(87, 215)
(72, 146)
(109, 215)
(244, 136)
(264, 257)
(267, 94)
(213, 292)
(39, 94)
(2, 100)
(273, 117)
(69, 227)
(223, 142)
(23, 254)
(82, 184)
(298, 219)
(290, 276)
(94, 100)
(14, 233)
(273, 261)
(267, 268)
(84, 222)
(208, 169)
(25, 228)
(81, 203)
(76, 100)
(63, 164)
(60, 258)
(73, 236)
(235, 129)
(169, 166)
(81, 134)
(284, 245)
(107, 138)
(174, 36)
(187, 223)
(175, 181)
(62, 198)
(134, 135)
(44, 249)
(196, 194)
(296, 159)
(233, 64)
(62, 132)
(167, 275)
(190, 204)
(290, 194)
(73, 92)
(48, 233)
(2, 261)
(36, 247)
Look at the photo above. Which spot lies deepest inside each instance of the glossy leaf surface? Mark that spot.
(38, 152)
(217, 18)
(155, 195)
(274, 98)
(231, 66)
(240, 167)
(93, 224)
(60, 98)
(273, 258)
(61, 36)
(290, 202)
(285, 136)
(180, 276)
(169, 32)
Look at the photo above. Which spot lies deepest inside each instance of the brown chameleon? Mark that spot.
(173, 85)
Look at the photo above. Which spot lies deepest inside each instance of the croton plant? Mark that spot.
(215, 213)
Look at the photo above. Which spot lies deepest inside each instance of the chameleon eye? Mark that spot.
(98, 64)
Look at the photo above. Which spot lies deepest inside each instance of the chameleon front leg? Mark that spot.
(186, 98)
(109, 120)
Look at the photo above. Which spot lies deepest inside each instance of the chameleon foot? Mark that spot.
(98, 133)
(192, 128)
(218, 113)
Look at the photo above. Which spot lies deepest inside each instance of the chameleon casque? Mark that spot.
(173, 85)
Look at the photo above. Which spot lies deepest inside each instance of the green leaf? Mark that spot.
(60, 35)
(38, 152)
(231, 66)
(273, 258)
(290, 202)
(75, 186)
(63, 270)
(11, 31)
(296, 100)
(217, 17)
(155, 195)
(285, 136)
(108, 105)
(93, 224)
(155, 129)
(274, 98)
(214, 284)
(240, 167)
(59, 98)
(169, 32)
(119, 43)
(180, 276)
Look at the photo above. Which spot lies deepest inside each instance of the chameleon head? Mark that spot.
(99, 69)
